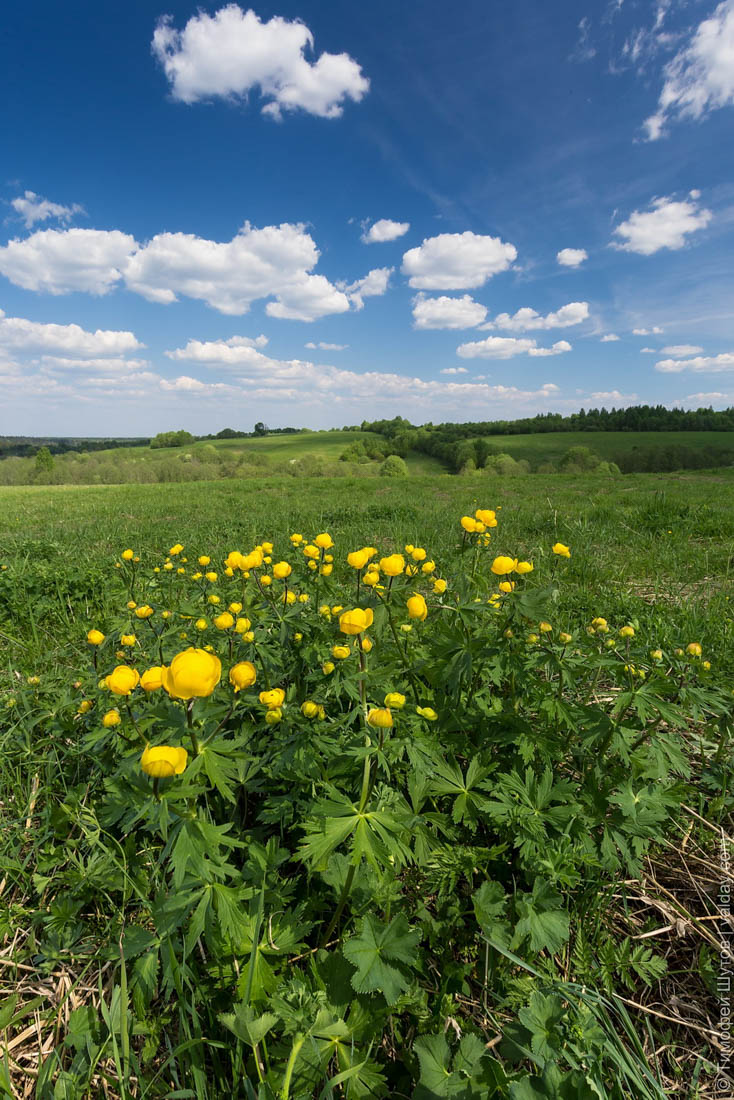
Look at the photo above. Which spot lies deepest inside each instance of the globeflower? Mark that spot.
(524, 567)
(417, 607)
(234, 560)
(143, 612)
(358, 559)
(273, 698)
(428, 567)
(175, 550)
(356, 621)
(503, 565)
(111, 718)
(393, 565)
(693, 649)
(224, 621)
(380, 718)
(312, 552)
(324, 541)
(341, 652)
(204, 560)
(427, 712)
(201, 624)
(486, 516)
(242, 675)
(127, 555)
(122, 680)
(627, 632)
(273, 716)
(656, 654)
(600, 624)
(152, 678)
(469, 524)
(366, 644)
(545, 628)
(439, 587)
(211, 576)
(309, 709)
(242, 626)
(561, 550)
(192, 674)
(394, 700)
(282, 570)
(163, 761)
(85, 706)
(95, 637)
(328, 667)
(296, 539)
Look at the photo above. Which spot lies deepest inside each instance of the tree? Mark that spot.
(44, 461)
(393, 466)
(260, 428)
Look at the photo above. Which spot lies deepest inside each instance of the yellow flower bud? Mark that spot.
(111, 718)
(127, 555)
(561, 550)
(328, 667)
(95, 637)
(152, 678)
(439, 587)
(272, 698)
(224, 621)
(242, 675)
(394, 700)
(427, 712)
(393, 565)
(282, 570)
(417, 607)
(356, 621)
(341, 652)
(309, 709)
(324, 542)
(524, 567)
(122, 680)
(380, 718)
(163, 761)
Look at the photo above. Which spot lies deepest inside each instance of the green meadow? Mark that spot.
(510, 891)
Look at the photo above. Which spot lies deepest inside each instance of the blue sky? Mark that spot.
(311, 214)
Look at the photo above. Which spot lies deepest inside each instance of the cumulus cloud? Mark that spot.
(649, 351)
(666, 225)
(456, 261)
(374, 284)
(713, 363)
(505, 347)
(232, 53)
(572, 257)
(454, 370)
(654, 331)
(700, 78)
(273, 262)
(321, 345)
(715, 395)
(609, 338)
(526, 319)
(445, 312)
(66, 363)
(680, 351)
(58, 261)
(19, 333)
(32, 208)
(613, 395)
(384, 230)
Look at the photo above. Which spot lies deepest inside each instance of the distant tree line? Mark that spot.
(24, 446)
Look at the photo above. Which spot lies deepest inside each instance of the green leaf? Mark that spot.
(376, 952)
(246, 1025)
(542, 918)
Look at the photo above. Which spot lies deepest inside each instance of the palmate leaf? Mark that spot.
(380, 952)
(473, 1074)
(247, 1025)
(376, 833)
(542, 918)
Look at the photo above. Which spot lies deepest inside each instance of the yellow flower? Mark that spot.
(242, 626)
(204, 560)
(427, 712)
(393, 565)
(561, 550)
(181, 571)
(266, 580)
(242, 675)
(310, 709)
(417, 607)
(406, 627)
(356, 621)
(224, 621)
(324, 541)
(693, 649)
(211, 576)
(201, 624)
(235, 608)
(296, 539)
(600, 625)
(706, 665)
(371, 579)
(533, 638)
(273, 716)
(234, 560)
(469, 524)
(380, 717)
(506, 586)
(366, 644)
(122, 680)
(311, 552)
(213, 599)
(131, 604)
(298, 637)
(545, 628)
(411, 570)
(326, 570)
(439, 586)
(341, 652)
(524, 567)
(503, 565)
(304, 597)
(418, 554)
(273, 698)
(143, 612)
(428, 567)
(486, 516)
(656, 654)
(175, 550)
(336, 609)
(282, 570)
(358, 559)
(127, 555)
(192, 674)
(95, 637)
(85, 706)
(627, 632)
(564, 637)
(394, 700)
(168, 567)
(152, 678)
(111, 718)
(163, 761)
(328, 667)
(409, 548)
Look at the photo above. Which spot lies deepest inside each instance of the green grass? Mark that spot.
(550, 446)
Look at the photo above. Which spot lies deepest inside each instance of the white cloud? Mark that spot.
(60, 362)
(505, 347)
(454, 370)
(325, 347)
(232, 53)
(455, 261)
(713, 396)
(613, 395)
(62, 260)
(572, 257)
(445, 312)
(712, 363)
(700, 78)
(385, 230)
(649, 351)
(654, 331)
(666, 225)
(526, 319)
(19, 333)
(681, 351)
(374, 284)
(32, 208)
(609, 338)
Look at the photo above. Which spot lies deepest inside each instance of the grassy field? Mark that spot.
(549, 447)
(131, 966)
